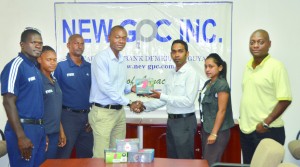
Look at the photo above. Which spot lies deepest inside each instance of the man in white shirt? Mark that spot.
(179, 95)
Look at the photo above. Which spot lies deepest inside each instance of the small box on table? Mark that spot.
(128, 145)
(113, 156)
(143, 155)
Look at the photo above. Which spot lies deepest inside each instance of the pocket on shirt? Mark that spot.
(207, 99)
(179, 87)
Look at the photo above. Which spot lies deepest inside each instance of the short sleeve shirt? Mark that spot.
(75, 83)
(53, 103)
(22, 78)
(262, 88)
(210, 106)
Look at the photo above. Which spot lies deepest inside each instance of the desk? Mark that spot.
(99, 162)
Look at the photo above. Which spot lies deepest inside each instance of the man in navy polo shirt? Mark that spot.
(22, 91)
(74, 78)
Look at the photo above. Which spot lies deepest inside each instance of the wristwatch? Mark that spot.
(266, 126)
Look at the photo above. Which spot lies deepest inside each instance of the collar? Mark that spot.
(184, 68)
(72, 64)
(28, 61)
(249, 64)
(113, 57)
(46, 80)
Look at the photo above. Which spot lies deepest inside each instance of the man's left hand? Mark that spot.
(260, 128)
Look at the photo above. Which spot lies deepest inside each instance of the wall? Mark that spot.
(276, 16)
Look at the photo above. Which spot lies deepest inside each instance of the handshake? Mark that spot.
(137, 106)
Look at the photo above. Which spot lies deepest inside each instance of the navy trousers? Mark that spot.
(250, 141)
(74, 125)
(52, 145)
(36, 133)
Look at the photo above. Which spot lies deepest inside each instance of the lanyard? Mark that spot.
(199, 100)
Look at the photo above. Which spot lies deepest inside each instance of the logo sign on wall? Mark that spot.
(151, 27)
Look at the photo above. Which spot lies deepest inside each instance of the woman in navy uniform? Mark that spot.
(52, 102)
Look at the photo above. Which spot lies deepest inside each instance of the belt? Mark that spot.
(114, 107)
(32, 121)
(77, 111)
(176, 116)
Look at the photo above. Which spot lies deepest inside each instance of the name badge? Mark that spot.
(48, 91)
(70, 74)
(31, 79)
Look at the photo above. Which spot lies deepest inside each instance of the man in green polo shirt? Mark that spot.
(266, 95)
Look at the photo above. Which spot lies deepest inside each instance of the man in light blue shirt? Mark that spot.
(107, 117)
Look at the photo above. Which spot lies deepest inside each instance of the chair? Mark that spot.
(268, 153)
(3, 149)
(294, 147)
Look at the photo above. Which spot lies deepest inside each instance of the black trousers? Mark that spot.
(250, 141)
(180, 137)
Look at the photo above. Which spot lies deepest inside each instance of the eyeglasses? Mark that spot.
(32, 28)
